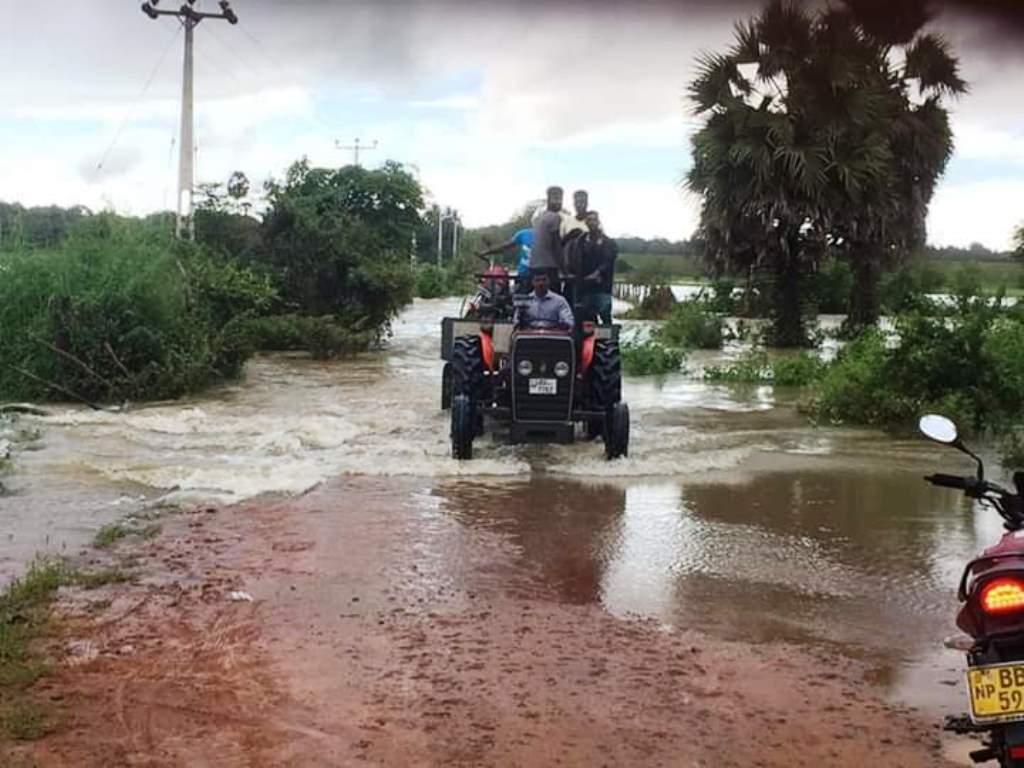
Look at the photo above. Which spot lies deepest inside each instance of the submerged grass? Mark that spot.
(111, 533)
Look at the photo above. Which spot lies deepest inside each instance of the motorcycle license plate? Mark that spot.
(996, 692)
(543, 386)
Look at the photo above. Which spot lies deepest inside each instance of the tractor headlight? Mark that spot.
(524, 367)
(561, 369)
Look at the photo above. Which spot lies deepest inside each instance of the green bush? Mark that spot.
(752, 367)
(798, 370)
(434, 282)
(120, 312)
(969, 366)
(644, 358)
(338, 242)
(906, 289)
(323, 337)
(690, 324)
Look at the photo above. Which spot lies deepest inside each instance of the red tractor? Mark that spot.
(534, 383)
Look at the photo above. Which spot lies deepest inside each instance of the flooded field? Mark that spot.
(731, 515)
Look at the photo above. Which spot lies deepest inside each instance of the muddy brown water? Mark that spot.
(731, 514)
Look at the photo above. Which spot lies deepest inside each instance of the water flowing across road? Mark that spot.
(731, 513)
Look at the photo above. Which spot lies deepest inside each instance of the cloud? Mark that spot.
(492, 100)
(983, 211)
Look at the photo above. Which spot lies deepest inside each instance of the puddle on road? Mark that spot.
(863, 559)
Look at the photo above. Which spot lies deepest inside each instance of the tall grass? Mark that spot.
(119, 311)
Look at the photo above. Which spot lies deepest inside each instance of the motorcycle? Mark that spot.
(991, 593)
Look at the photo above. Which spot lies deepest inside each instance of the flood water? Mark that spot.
(731, 514)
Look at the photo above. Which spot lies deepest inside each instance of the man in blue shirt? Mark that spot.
(522, 241)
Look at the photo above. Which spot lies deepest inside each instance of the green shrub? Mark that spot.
(798, 370)
(906, 289)
(433, 282)
(751, 367)
(644, 358)
(690, 324)
(969, 366)
(120, 312)
(323, 337)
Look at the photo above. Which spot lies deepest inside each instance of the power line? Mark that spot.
(135, 105)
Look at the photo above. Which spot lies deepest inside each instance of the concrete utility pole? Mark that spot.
(189, 18)
(355, 149)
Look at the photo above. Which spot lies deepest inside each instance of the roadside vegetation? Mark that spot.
(106, 309)
(650, 357)
(25, 621)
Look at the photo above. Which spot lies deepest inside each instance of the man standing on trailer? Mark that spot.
(546, 254)
(598, 253)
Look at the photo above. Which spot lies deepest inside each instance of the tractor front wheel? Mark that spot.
(464, 427)
(616, 431)
(606, 374)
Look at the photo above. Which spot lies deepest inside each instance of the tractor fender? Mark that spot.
(487, 350)
(587, 353)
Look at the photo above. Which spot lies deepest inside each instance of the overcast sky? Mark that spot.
(490, 101)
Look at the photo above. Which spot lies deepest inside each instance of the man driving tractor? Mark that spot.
(544, 307)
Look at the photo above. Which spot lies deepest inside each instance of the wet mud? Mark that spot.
(388, 628)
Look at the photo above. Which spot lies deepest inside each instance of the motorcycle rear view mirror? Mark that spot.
(943, 430)
(938, 428)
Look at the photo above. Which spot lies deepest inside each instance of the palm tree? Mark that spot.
(811, 143)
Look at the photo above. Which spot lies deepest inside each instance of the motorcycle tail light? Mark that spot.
(1003, 596)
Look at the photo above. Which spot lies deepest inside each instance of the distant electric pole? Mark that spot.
(355, 149)
(451, 215)
(189, 18)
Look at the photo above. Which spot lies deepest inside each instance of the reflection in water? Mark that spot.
(556, 527)
(864, 561)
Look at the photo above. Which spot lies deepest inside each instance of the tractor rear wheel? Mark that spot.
(616, 431)
(463, 427)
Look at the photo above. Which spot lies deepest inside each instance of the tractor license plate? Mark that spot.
(543, 386)
(996, 692)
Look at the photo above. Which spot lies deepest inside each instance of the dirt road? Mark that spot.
(380, 634)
